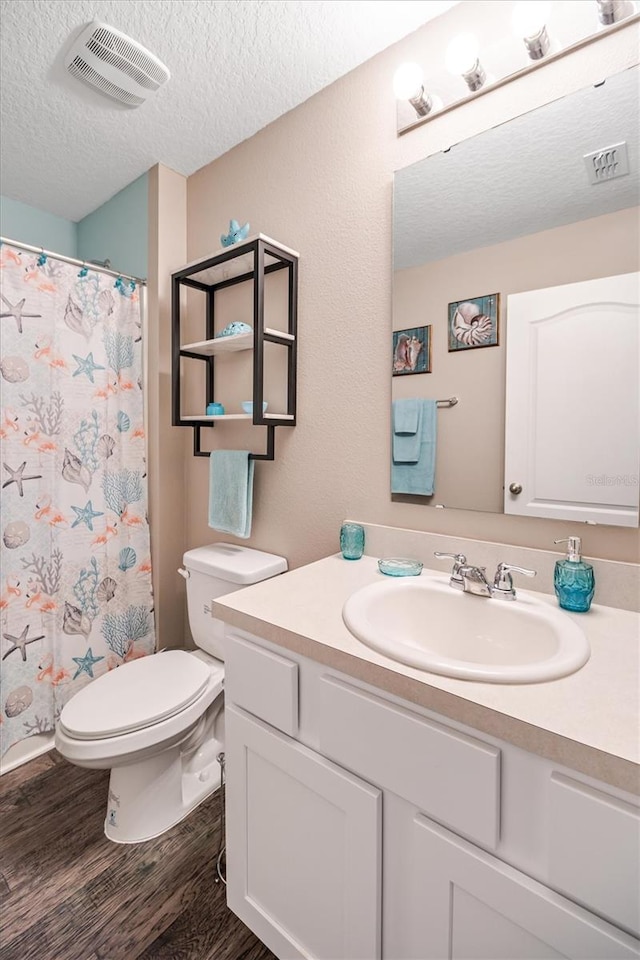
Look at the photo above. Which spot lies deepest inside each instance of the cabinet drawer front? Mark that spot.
(594, 850)
(263, 683)
(447, 775)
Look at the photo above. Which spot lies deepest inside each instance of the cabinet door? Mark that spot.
(572, 418)
(303, 847)
(474, 906)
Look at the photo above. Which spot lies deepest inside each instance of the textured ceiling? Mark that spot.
(236, 65)
(522, 177)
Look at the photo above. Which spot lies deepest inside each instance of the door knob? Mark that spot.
(515, 488)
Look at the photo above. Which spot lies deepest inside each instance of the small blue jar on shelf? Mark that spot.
(351, 541)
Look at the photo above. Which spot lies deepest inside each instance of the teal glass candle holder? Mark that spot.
(351, 541)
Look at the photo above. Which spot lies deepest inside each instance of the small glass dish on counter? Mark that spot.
(398, 567)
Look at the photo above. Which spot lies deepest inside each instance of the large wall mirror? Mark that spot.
(515, 315)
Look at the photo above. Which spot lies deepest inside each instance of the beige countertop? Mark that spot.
(588, 721)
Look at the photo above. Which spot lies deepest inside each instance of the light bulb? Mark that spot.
(407, 81)
(462, 54)
(408, 85)
(530, 17)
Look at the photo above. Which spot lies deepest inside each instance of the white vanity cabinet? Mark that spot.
(363, 826)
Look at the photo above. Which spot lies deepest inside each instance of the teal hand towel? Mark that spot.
(407, 417)
(231, 492)
(419, 477)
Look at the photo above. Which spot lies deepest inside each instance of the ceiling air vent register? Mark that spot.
(115, 65)
(608, 163)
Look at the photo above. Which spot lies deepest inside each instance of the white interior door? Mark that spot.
(572, 444)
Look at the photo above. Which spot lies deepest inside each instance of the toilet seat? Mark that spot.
(107, 750)
(137, 695)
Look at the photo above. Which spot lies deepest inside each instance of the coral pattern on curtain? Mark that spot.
(76, 595)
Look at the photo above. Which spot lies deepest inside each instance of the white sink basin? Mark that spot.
(425, 623)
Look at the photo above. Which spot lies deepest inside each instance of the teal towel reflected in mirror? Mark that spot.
(414, 476)
(231, 492)
(407, 419)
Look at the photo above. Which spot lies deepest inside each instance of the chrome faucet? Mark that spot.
(472, 579)
(459, 560)
(503, 588)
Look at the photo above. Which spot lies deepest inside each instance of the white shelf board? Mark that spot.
(207, 348)
(220, 416)
(239, 341)
(236, 266)
(238, 416)
(279, 333)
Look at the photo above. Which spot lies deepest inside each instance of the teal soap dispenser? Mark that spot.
(573, 578)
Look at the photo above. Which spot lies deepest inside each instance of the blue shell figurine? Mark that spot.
(236, 233)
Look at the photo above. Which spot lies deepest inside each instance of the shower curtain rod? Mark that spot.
(73, 260)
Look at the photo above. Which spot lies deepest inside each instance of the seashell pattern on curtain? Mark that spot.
(76, 597)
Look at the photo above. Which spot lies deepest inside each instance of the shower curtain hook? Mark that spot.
(42, 259)
(84, 270)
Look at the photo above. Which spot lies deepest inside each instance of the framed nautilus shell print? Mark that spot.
(412, 351)
(473, 323)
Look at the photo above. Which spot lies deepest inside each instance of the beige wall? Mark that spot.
(320, 180)
(469, 464)
(168, 447)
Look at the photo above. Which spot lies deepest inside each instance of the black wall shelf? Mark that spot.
(249, 261)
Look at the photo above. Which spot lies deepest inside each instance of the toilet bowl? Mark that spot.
(158, 722)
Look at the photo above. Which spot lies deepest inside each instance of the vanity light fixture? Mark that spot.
(572, 27)
(529, 22)
(462, 58)
(408, 85)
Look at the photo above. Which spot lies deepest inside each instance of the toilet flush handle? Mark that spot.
(184, 573)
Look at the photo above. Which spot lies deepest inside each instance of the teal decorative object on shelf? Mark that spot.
(234, 328)
(236, 233)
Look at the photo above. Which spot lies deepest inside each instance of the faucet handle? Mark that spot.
(503, 582)
(459, 560)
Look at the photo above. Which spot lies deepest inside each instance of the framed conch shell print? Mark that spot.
(412, 351)
(473, 323)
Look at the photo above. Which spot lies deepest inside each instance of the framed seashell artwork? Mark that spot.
(473, 323)
(411, 351)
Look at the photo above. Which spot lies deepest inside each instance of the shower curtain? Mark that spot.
(76, 595)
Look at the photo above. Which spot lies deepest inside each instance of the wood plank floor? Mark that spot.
(68, 893)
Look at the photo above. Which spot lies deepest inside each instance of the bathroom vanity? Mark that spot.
(378, 811)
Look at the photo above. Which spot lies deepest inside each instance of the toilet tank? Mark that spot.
(215, 570)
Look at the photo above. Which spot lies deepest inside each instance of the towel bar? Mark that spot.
(269, 455)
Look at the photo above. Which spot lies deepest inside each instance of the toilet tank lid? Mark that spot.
(234, 563)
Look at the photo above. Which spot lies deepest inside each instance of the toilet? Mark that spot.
(157, 722)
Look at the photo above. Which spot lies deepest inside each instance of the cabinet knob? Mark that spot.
(515, 488)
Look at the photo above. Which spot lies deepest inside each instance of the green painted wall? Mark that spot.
(118, 230)
(19, 221)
